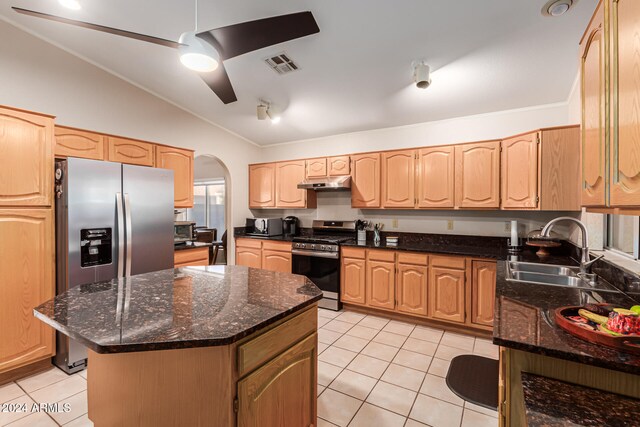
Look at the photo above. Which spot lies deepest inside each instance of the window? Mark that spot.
(208, 205)
(622, 235)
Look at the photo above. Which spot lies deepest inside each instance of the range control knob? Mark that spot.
(302, 245)
(313, 247)
(323, 248)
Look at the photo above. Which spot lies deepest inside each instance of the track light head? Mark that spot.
(421, 75)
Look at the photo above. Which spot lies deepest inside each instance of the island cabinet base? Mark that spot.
(514, 362)
(267, 379)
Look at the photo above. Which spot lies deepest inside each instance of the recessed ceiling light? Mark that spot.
(70, 4)
(557, 7)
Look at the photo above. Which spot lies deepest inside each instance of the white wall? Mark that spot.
(37, 76)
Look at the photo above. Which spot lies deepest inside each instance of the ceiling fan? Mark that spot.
(205, 51)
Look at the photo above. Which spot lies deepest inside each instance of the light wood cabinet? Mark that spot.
(380, 279)
(191, 257)
(72, 142)
(124, 150)
(365, 184)
(27, 262)
(338, 165)
(26, 144)
(249, 253)
(412, 289)
(266, 254)
(520, 171)
(288, 176)
(478, 175)
(435, 177)
(483, 292)
(262, 185)
(180, 161)
(317, 168)
(398, 179)
(625, 103)
(594, 66)
(353, 280)
(273, 260)
(447, 294)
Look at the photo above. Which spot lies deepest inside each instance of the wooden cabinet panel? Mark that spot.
(249, 257)
(436, 177)
(595, 117)
(274, 245)
(625, 97)
(77, 143)
(380, 284)
(339, 165)
(358, 253)
(478, 175)
(353, 280)
(483, 292)
(365, 176)
(412, 289)
(130, 151)
(288, 176)
(520, 171)
(317, 168)
(27, 262)
(456, 262)
(262, 185)
(447, 294)
(282, 392)
(26, 144)
(560, 169)
(398, 179)
(191, 257)
(181, 163)
(276, 260)
(414, 258)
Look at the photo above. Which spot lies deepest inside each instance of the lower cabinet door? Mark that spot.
(381, 284)
(353, 278)
(412, 289)
(249, 257)
(276, 261)
(281, 393)
(446, 294)
(27, 280)
(483, 292)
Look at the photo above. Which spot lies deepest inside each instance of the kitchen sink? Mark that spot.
(549, 279)
(553, 275)
(529, 267)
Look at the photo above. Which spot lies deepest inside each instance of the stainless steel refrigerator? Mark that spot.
(112, 220)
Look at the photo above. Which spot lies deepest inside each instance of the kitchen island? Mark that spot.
(196, 346)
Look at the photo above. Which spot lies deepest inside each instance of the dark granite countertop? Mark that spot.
(280, 238)
(435, 248)
(181, 308)
(550, 402)
(191, 245)
(524, 320)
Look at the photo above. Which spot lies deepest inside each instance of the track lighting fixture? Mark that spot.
(421, 74)
(266, 110)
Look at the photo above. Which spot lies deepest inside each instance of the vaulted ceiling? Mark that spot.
(356, 74)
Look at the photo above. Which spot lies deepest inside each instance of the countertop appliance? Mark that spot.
(112, 221)
(263, 227)
(291, 226)
(317, 256)
(183, 232)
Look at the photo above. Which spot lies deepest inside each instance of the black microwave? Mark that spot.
(183, 231)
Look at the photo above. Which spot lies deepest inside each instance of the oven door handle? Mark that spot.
(332, 255)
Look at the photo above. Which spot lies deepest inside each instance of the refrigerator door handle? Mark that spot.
(127, 213)
(120, 225)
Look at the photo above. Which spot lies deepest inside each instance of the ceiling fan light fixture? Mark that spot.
(196, 54)
(71, 4)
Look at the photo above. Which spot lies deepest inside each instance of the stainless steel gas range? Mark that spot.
(317, 256)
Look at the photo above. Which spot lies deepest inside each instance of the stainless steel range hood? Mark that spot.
(336, 183)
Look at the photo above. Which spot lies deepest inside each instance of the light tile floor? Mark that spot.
(371, 371)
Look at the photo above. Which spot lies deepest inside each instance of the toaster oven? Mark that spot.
(183, 231)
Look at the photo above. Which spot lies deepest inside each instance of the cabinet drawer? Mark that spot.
(449, 262)
(358, 253)
(186, 257)
(273, 245)
(339, 165)
(249, 243)
(412, 258)
(130, 151)
(259, 350)
(381, 255)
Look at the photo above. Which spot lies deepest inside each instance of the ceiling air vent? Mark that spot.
(281, 63)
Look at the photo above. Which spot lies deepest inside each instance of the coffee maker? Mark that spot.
(291, 226)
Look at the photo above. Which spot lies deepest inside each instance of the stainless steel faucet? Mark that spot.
(585, 261)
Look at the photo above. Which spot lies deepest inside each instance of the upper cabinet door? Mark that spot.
(181, 163)
(26, 144)
(262, 185)
(77, 143)
(520, 171)
(365, 185)
(317, 168)
(625, 111)
(129, 151)
(436, 177)
(398, 179)
(478, 175)
(339, 165)
(595, 117)
(288, 176)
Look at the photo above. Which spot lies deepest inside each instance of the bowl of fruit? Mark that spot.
(604, 324)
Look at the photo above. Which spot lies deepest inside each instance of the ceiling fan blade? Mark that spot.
(218, 81)
(237, 39)
(110, 30)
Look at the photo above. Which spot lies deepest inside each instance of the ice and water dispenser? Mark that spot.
(95, 246)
